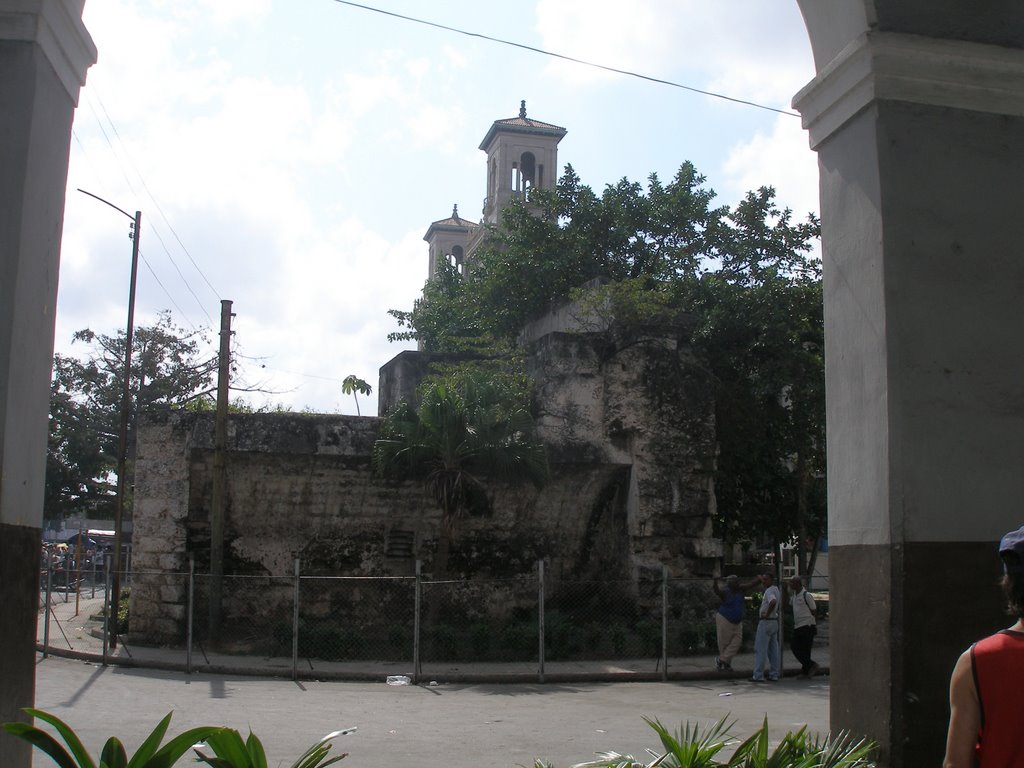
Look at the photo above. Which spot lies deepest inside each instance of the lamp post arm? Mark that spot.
(107, 202)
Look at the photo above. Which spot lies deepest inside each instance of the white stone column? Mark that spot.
(920, 145)
(44, 54)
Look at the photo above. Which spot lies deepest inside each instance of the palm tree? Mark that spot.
(461, 433)
(353, 384)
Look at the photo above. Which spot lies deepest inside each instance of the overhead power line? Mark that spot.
(562, 56)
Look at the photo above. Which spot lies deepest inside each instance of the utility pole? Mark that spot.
(220, 439)
(126, 407)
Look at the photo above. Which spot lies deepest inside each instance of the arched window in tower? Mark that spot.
(492, 179)
(457, 259)
(517, 178)
(529, 165)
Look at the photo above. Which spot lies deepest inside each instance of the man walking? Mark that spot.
(766, 639)
(804, 626)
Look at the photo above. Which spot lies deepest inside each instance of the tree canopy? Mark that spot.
(743, 275)
(85, 406)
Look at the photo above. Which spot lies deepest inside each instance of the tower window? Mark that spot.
(529, 165)
(457, 259)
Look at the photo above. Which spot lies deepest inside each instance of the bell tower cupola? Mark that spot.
(522, 155)
(448, 240)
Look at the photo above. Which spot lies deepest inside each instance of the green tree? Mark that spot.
(353, 384)
(738, 282)
(467, 429)
(85, 407)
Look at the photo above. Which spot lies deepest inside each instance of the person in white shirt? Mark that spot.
(804, 626)
(766, 639)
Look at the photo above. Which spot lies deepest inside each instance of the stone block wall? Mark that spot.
(629, 426)
(301, 486)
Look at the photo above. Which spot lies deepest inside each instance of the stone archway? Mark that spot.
(917, 118)
(916, 115)
(44, 54)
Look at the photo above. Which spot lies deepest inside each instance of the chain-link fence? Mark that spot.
(368, 625)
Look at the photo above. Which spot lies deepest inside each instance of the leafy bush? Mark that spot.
(694, 747)
(480, 639)
(650, 637)
(122, 611)
(229, 750)
(520, 640)
(619, 637)
(561, 638)
(149, 755)
(444, 642)
(398, 637)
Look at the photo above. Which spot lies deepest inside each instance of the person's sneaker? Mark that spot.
(757, 679)
(813, 670)
(727, 666)
(719, 664)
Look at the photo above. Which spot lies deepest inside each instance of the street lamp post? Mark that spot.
(122, 448)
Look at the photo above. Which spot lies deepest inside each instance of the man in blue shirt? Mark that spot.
(729, 619)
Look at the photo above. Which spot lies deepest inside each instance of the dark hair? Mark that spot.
(1013, 587)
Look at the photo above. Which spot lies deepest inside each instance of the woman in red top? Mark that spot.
(986, 721)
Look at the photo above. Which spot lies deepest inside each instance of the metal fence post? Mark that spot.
(782, 607)
(46, 624)
(190, 608)
(540, 619)
(417, 605)
(93, 577)
(295, 625)
(106, 613)
(664, 623)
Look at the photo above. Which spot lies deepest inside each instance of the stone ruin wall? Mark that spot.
(300, 486)
(630, 431)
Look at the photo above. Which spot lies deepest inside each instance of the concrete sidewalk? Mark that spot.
(450, 725)
(80, 637)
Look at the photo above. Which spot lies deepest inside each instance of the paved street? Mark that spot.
(456, 726)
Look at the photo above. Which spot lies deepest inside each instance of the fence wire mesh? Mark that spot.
(255, 617)
(486, 620)
(373, 623)
(352, 619)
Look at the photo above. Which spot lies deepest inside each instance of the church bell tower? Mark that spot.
(522, 155)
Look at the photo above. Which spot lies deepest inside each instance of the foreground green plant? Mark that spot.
(230, 751)
(696, 747)
(113, 755)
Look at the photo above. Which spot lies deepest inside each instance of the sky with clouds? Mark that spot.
(289, 157)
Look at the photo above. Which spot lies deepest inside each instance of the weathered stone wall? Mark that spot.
(301, 486)
(628, 421)
(642, 402)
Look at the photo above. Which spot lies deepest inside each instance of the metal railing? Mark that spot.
(306, 624)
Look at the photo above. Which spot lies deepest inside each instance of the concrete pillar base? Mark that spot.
(19, 573)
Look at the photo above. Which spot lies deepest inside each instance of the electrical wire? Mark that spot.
(563, 57)
(168, 293)
(121, 162)
(160, 209)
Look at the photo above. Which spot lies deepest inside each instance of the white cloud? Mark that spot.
(747, 49)
(633, 36)
(781, 159)
(228, 12)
